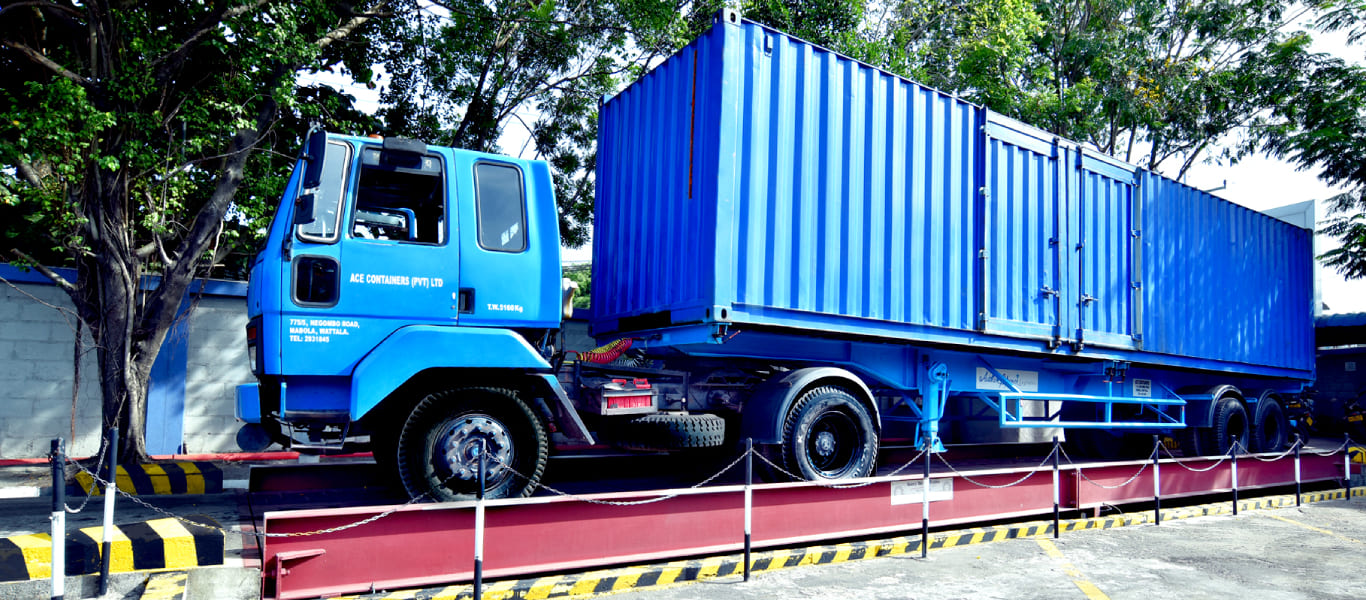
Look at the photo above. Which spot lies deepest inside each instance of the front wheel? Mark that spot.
(829, 435)
(438, 448)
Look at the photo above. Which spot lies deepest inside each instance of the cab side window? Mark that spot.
(501, 205)
(400, 199)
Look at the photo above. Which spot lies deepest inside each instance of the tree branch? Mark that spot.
(350, 26)
(36, 57)
(58, 280)
(206, 26)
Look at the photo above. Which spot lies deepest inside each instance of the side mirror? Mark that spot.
(314, 151)
(303, 209)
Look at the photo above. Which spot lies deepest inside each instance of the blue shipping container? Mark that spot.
(757, 179)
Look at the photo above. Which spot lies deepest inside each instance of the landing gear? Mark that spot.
(829, 435)
(438, 448)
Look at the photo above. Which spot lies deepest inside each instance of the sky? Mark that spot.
(1257, 182)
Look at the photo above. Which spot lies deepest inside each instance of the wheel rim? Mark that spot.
(832, 444)
(455, 451)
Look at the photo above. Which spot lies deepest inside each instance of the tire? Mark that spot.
(829, 435)
(1230, 423)
(672, 432)
(1196, 441)
(1270, 428)
(437, 448)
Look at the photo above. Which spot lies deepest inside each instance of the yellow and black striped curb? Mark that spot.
(156, 544)
(181, 477)
(594, 583)
(168, 585)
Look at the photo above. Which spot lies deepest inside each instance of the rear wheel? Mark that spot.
(438, 448)
(1230, 425)
(1270, 428)
(829, 435)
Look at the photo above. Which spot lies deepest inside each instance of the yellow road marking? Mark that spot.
(194, 479)
(165, 586)
(543, 587)
(120, 547)
(161, 484)
(37, 551)
(177, 542)
(1317, 529)
(1080, 580)
(669, 575)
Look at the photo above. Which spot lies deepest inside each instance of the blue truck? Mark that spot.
(798, 249)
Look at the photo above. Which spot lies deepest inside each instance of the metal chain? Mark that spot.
(99, 466)
(237, 529)
(843, 486)
(1287, 452)
(1031, 473)
(1178, 462)
(622, 502)
(1147, 462)
(1333, 451)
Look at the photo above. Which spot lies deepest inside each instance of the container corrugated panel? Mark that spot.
(662, 234)
(1224, 282)
(756, 174)
(850, 192)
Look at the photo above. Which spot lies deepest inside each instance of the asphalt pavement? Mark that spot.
(1312, 552)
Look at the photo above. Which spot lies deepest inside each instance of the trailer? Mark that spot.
(790, 247)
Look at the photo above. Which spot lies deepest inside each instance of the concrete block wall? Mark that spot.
(36, 369)
(37, 374)
(217, 363)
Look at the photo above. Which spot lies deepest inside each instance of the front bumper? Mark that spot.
(248, 406)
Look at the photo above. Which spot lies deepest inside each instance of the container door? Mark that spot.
(1106, 235)
(1025, 217)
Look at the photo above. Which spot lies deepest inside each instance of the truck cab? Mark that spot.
(387, 262)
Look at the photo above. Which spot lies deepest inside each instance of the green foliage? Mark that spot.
(127, 132)
(584, 277)
(463, 73)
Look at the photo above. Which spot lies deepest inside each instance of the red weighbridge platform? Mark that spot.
(430, 544)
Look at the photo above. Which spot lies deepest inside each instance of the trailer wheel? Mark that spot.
(1270, 428)
(1230, 424)
(828, 435)
(438, 446)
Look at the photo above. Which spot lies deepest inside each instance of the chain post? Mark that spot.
(1347, 462)
(58, 521)
(1234, 451)
(110, 492)
(749, 499)
(925, 501)
(1157, 481)
(479, 528)
(1057, 495)
(1298, 443)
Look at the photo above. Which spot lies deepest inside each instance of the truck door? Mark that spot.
(385, 260)
(1025, 216)
(510, 248)
(1108, 299)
